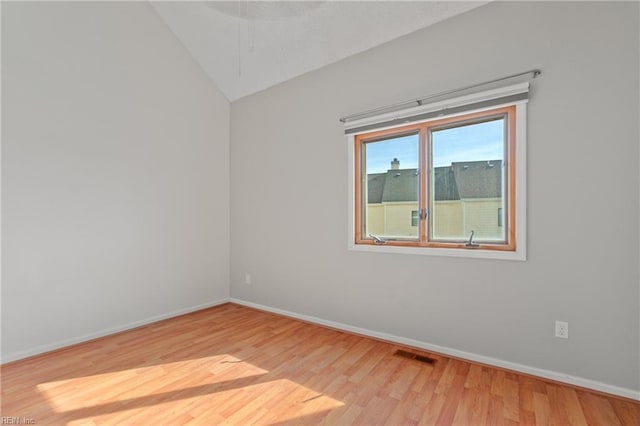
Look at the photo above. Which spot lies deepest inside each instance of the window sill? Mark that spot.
(450, 252)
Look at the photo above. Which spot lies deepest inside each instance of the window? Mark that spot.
(449, 175)
(451, 162)
(414, 218)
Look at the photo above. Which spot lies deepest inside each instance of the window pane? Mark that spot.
(467, 182)
(414, 218)
(391, 167)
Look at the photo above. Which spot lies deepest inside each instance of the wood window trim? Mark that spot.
(423, 130)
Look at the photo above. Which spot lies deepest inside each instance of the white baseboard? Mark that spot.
(547, 374)
(86, 337)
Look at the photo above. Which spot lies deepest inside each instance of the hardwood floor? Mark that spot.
(235, 365)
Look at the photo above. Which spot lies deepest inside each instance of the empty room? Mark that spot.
(320, 212)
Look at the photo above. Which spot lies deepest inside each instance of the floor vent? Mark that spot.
(417, 357)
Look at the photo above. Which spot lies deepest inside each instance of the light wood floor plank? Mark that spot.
(234, 365)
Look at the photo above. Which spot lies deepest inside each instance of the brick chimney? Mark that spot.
(395, 164)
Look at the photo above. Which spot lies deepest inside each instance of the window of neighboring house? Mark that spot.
(414, 218)
(449, 174)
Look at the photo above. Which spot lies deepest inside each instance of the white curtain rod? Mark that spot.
(420, 101)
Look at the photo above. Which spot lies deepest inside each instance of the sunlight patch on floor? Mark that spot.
(221, 387)
(166, 380)
(261, 402)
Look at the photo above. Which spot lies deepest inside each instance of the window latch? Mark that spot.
(378, 240)
(424, 214)
(470, 243)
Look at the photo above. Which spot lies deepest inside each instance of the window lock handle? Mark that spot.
(471, 243)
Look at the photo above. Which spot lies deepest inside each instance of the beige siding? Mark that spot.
(452, 219)
(398, 220)
(482, 217)
(391, 220)
(448, 220)
(375, 219)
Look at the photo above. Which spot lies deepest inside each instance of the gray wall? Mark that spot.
(289, 194)
(115, 184)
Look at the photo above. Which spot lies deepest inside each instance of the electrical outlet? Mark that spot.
(247, 278)
(562, 329)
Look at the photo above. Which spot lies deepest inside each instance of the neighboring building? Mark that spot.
(467, 196)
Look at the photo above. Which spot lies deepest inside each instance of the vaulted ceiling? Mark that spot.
(248, 46)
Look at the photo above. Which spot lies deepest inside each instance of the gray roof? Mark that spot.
(444, 183)
(375, 187)
(400, 185)
(460, 180)
(478, 179)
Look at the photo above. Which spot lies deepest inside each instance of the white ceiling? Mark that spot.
(248, 46)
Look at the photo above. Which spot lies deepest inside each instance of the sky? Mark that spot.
(481, 141)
